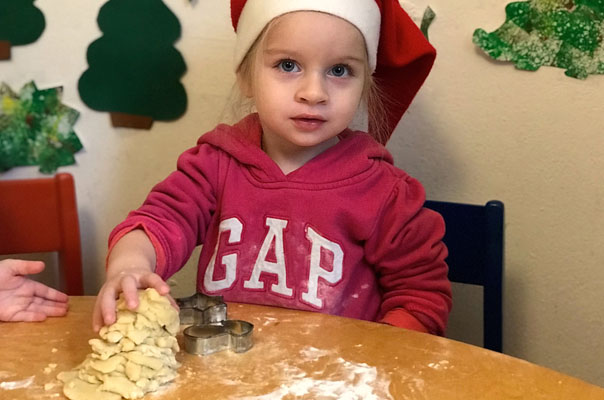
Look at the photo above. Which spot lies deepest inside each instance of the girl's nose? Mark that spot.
(312, 89)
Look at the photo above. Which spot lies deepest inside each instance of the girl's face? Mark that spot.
(307, 83)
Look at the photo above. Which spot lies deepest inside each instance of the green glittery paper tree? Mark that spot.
(36, 129)
(566, 34)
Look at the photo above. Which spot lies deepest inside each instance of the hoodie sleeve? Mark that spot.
(409, 256)
(177, 211)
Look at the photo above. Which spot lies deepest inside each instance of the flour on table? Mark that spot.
(51, 367)
(134, 356)
(347, 381)
(12, 385)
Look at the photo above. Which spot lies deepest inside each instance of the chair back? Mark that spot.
(41, 215)
(475, 239)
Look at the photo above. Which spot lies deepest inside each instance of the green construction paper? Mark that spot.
(36, 129)
(20, 22)
(134, 67)
(427, 20)
(566, 34)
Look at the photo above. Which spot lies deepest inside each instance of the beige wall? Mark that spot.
(479, 130)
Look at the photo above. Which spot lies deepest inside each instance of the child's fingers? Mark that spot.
(130, 290)
(48, 308)
(97, 319)
(108, 310)
(173, 302)
(45, 292)
(107, 306)
(104, 309)
(156, 282)
(28, 316)
(26, 267)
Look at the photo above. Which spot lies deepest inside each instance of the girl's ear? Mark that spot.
(245, 86)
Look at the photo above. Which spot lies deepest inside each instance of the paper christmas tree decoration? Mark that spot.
(20, 23)
(134, 69)
(36, 129)
(566, 34)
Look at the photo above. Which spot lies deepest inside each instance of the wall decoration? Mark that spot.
(427, 20)
(36, 129)
(20, 23)
(134, 69)
(566, 34)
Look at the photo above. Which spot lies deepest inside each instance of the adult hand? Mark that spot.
(22, 299)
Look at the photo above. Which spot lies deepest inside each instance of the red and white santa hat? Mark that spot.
(400, 57)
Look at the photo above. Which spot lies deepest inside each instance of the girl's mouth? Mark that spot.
(308, 122)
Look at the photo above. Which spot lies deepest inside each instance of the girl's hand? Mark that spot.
(127, 281)
(130, 267)
(22, 299)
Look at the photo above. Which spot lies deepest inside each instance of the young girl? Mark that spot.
(293, 208)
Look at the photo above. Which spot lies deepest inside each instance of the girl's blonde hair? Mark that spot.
(241, 105)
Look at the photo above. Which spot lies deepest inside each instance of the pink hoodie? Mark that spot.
(345, 234)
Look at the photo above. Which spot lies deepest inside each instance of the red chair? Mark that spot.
(41, 215)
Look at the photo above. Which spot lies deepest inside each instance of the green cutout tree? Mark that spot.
(566, 34)
(20, 23)
(36, 129)
(134, 69)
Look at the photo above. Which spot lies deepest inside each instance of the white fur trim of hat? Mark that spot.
(363, 14)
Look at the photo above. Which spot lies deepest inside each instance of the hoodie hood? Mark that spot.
(355, 154)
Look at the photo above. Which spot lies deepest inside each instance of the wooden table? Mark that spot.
(296, 355)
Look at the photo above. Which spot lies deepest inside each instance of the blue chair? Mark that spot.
(474, 237)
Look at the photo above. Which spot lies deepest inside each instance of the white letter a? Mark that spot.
(275, 233)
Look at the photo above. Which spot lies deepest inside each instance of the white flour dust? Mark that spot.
(312, 353)
(12, 385)
(6, 374)
(441, 365)
(346, 381)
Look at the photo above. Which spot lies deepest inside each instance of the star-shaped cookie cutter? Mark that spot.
(211, 331)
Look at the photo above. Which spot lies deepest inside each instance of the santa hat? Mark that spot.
(400, 57)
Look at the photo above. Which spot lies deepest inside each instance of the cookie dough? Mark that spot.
(133, 356)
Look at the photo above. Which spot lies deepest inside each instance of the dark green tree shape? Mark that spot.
(566, 34)
(36, 128)
(134, 67)
(20, 22)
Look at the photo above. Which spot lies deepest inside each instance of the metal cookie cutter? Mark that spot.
(207, 339)
(201, 309)
(211, 330)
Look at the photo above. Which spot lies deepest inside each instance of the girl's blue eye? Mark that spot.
(340, 70)
(287, 65)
